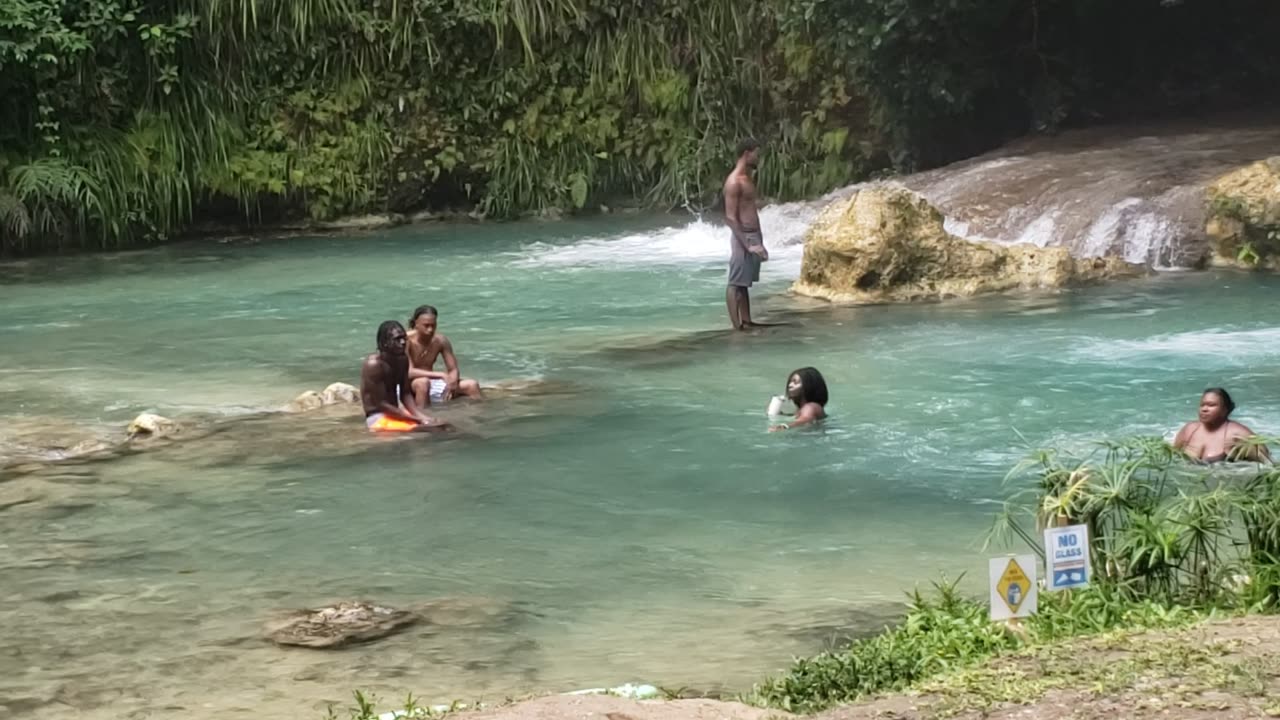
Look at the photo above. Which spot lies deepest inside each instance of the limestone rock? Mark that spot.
(887, 244)
(340, 394)
(335, 394)
(150, 425)
(340, 624)
(364, 222)
(45, 439)
(309, 400)
(90, 447)
(1244, 216)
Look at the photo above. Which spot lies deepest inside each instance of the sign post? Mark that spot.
(1066, 557)
(1013, 586)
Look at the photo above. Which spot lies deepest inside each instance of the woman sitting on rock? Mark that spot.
(808, 390)
(1215, 437)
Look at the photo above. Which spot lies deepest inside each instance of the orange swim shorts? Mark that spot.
(379, 422)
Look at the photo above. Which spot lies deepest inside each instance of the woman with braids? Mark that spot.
(1215, 437)
(808, 391)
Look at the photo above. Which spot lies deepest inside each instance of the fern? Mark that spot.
(42, 196)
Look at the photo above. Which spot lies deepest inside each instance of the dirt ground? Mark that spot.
(1224, 669)
(600, 707)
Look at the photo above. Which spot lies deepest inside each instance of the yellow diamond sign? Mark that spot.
(1013, 587)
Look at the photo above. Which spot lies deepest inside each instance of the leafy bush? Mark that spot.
(1171, 543)
(1159, 526)
(318, 107)
(949, 631)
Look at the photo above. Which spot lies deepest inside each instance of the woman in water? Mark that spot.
(807, 389)
(1215, 437)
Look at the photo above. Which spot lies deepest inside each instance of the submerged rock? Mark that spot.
(46, 439)
(309, 400)
(468, 612)
(152, 426)
(95, 446)
(341, 624)
(1244, 216)
(340, 394)
(364, 222)
(887, 244)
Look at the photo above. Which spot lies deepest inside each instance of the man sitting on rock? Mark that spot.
(424, 346)
(389, 406)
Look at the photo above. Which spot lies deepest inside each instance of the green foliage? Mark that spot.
(1259, 239)
(1171, 543)
(366, 708)
(321, 107)
(943, 78)
(949, 632)
(1159, 526)
(36, 197)
(937, 634)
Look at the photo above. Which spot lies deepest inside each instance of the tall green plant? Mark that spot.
(1159, 525)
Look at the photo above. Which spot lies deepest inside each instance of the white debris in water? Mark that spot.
(629, 690)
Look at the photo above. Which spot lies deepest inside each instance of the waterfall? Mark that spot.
(1136, 192)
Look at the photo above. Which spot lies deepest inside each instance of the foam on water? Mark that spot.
(1199, 348)
(696, 243)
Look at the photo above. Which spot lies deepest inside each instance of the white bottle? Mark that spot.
(775, 404)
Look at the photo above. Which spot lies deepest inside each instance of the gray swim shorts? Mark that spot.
(744, 267)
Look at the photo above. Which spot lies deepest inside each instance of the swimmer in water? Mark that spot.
(1215, 437)
(808, 390)
(384, 387)
(424, 346)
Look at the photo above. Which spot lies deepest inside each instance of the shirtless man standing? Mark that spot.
(384, 392)
(425, 345)
(747, 244)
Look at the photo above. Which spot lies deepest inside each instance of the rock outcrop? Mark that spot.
(340, 393)
(335, 394)
(307, 401)
(340, 624)
(887, 244)
(152, 426)
(1244, 216)
(46, 439)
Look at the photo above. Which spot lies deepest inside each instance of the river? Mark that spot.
(628, 518)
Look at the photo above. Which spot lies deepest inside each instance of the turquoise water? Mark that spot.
(626, 517)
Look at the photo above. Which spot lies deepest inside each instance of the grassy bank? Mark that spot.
(945, 632)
